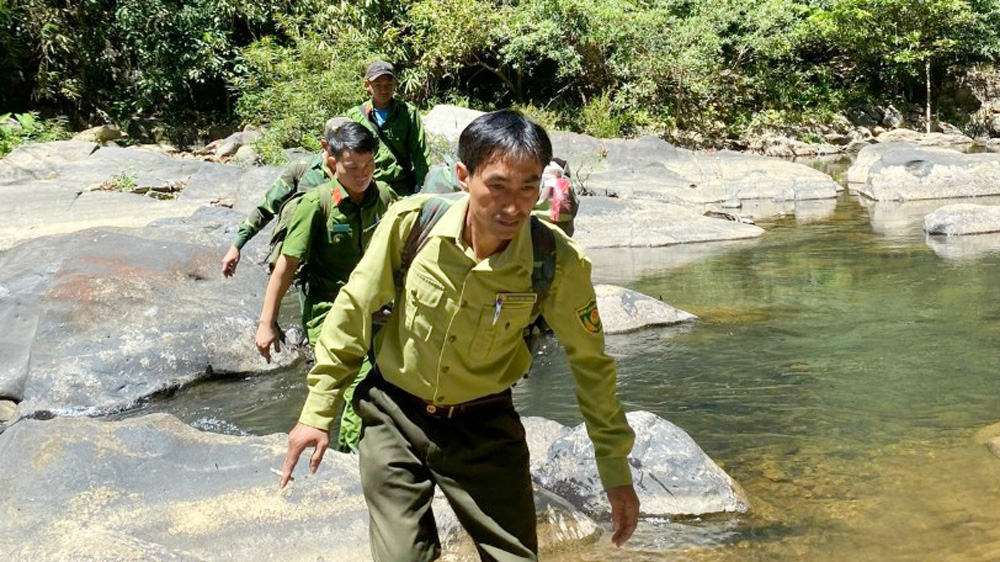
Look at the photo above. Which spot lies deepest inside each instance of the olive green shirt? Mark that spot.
(301, 175)
(447, 340)
(330, 249)
(404, 129)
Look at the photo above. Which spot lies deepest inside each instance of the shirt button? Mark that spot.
(452, 338)
(440, 399)
(445, 369)
(464, 304)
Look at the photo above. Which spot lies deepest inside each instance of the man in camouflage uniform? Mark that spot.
(302, 175)
(402, 158)
(327, 235)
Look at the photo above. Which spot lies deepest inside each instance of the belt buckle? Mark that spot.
(439, 412)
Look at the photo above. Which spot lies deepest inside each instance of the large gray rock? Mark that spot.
(623, 310)
(962, 219)
(671, 474)
(651, 168)
(905, 172)
(944, 140)
(46, 188)
(605, 222)
(96, 320)
(152, 488)
(448, 121)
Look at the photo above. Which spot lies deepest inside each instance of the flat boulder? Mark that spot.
(651, 168)
(963, 219)
(671, 474)
(623, 310)
(942, 140)
(152, 488)
(608, 222)
(66, 186)
(98, 320)
(906, 172)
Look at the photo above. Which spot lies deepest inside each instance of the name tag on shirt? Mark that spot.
(516, 299)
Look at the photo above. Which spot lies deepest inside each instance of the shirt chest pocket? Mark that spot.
(500, 328)
(422, 301)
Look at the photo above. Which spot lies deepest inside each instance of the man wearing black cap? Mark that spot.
(402, 155)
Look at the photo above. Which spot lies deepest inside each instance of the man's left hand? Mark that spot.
(624, 513)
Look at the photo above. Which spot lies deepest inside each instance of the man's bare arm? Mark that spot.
(277, 286)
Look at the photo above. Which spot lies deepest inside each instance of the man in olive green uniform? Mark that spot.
(328, 234)
(437, 409)
(402, 158)
(301, 175)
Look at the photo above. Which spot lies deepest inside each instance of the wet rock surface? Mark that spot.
(623, 310)
(671, 474)
(97, 320)
(152, 488)
(905, 172)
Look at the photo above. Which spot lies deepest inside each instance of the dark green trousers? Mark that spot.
(479, 461)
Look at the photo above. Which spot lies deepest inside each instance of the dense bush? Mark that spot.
(607, 67)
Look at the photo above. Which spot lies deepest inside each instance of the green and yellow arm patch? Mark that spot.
(589, 317)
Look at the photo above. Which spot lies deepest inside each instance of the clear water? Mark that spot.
(838, 371)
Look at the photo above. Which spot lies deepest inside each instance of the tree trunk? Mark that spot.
(927, 71)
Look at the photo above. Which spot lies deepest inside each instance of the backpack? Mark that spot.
(286, 213)
(543, 246)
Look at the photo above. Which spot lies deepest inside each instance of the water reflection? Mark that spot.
(964, 247)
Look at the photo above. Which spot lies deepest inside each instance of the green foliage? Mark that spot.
(125, 180)
(599, 118)
(605, 67)
(24, 128)
(292, 88)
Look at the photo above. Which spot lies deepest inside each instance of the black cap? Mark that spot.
(379, 68)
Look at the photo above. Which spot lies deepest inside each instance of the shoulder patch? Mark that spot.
(589, 317)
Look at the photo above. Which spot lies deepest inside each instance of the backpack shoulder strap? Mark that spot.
(543, 271)
(430, 213)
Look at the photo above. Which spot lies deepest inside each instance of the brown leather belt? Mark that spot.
(479, 406)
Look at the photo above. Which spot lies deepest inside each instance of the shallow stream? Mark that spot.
(838, 371)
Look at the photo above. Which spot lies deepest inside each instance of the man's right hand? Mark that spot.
(300, 438)
(229, 261)
(267, 335)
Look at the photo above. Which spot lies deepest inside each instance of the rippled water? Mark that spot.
(838, 371)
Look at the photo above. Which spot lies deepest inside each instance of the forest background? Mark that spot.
(697, 72)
